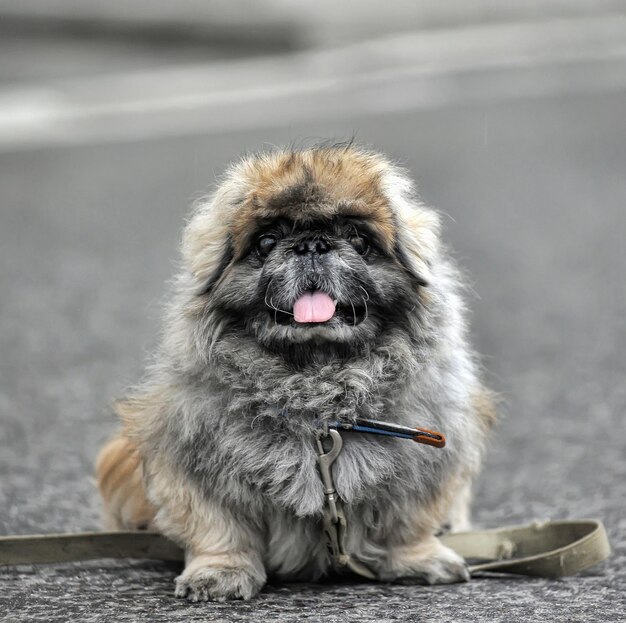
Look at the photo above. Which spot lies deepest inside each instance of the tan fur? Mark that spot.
(135, 411)
(120, 480)
(270, 179)
(120, 466)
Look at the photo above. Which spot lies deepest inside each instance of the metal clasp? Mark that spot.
(335, 524)
(325, 461)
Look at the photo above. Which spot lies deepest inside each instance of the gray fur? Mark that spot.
(247, 394)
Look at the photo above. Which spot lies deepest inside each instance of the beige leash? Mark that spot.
(43, 548)
(550, 549)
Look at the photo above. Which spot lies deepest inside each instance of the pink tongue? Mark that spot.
(314, 307)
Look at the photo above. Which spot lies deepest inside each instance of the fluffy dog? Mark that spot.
(314, 288)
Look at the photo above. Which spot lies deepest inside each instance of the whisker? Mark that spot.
(353, 312)
(365, 303)
(278, 309)
(267, 291)
(271, 305)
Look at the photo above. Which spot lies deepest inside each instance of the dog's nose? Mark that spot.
(315, 245)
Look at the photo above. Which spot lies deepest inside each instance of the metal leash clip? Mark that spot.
(325, 461)
(335, 524)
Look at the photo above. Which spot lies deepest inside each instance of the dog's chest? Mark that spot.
(285, 470)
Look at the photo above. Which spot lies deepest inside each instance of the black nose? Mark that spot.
(316, 245)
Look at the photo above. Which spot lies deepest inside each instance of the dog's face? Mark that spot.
(323, 249)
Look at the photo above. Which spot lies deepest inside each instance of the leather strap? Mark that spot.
(377, 427)
(550, 549)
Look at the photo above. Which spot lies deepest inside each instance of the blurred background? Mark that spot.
(115, 116)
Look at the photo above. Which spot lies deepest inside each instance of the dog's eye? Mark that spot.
(360, 243)
(265, 244)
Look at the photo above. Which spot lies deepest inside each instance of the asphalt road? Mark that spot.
(534, 195)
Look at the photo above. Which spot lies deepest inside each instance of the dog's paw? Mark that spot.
(432, 564)
(218, 584)
(447, 567)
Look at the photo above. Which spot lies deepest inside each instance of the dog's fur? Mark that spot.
(217, 449)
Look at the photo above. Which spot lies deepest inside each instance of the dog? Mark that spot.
(314, 288)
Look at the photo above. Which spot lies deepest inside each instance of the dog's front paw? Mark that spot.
(427, 563)
(208, 583)
(447, 567)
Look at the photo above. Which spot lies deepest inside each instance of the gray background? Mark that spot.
(526, 160)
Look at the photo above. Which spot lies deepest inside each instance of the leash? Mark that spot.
(44, 548)
(550, 549)
(376, 427)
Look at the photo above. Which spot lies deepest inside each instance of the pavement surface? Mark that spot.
(533, 193)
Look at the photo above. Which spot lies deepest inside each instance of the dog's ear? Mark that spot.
(207, 248)
(417, 229)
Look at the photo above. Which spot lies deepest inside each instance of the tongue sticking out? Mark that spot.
(314, 307)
